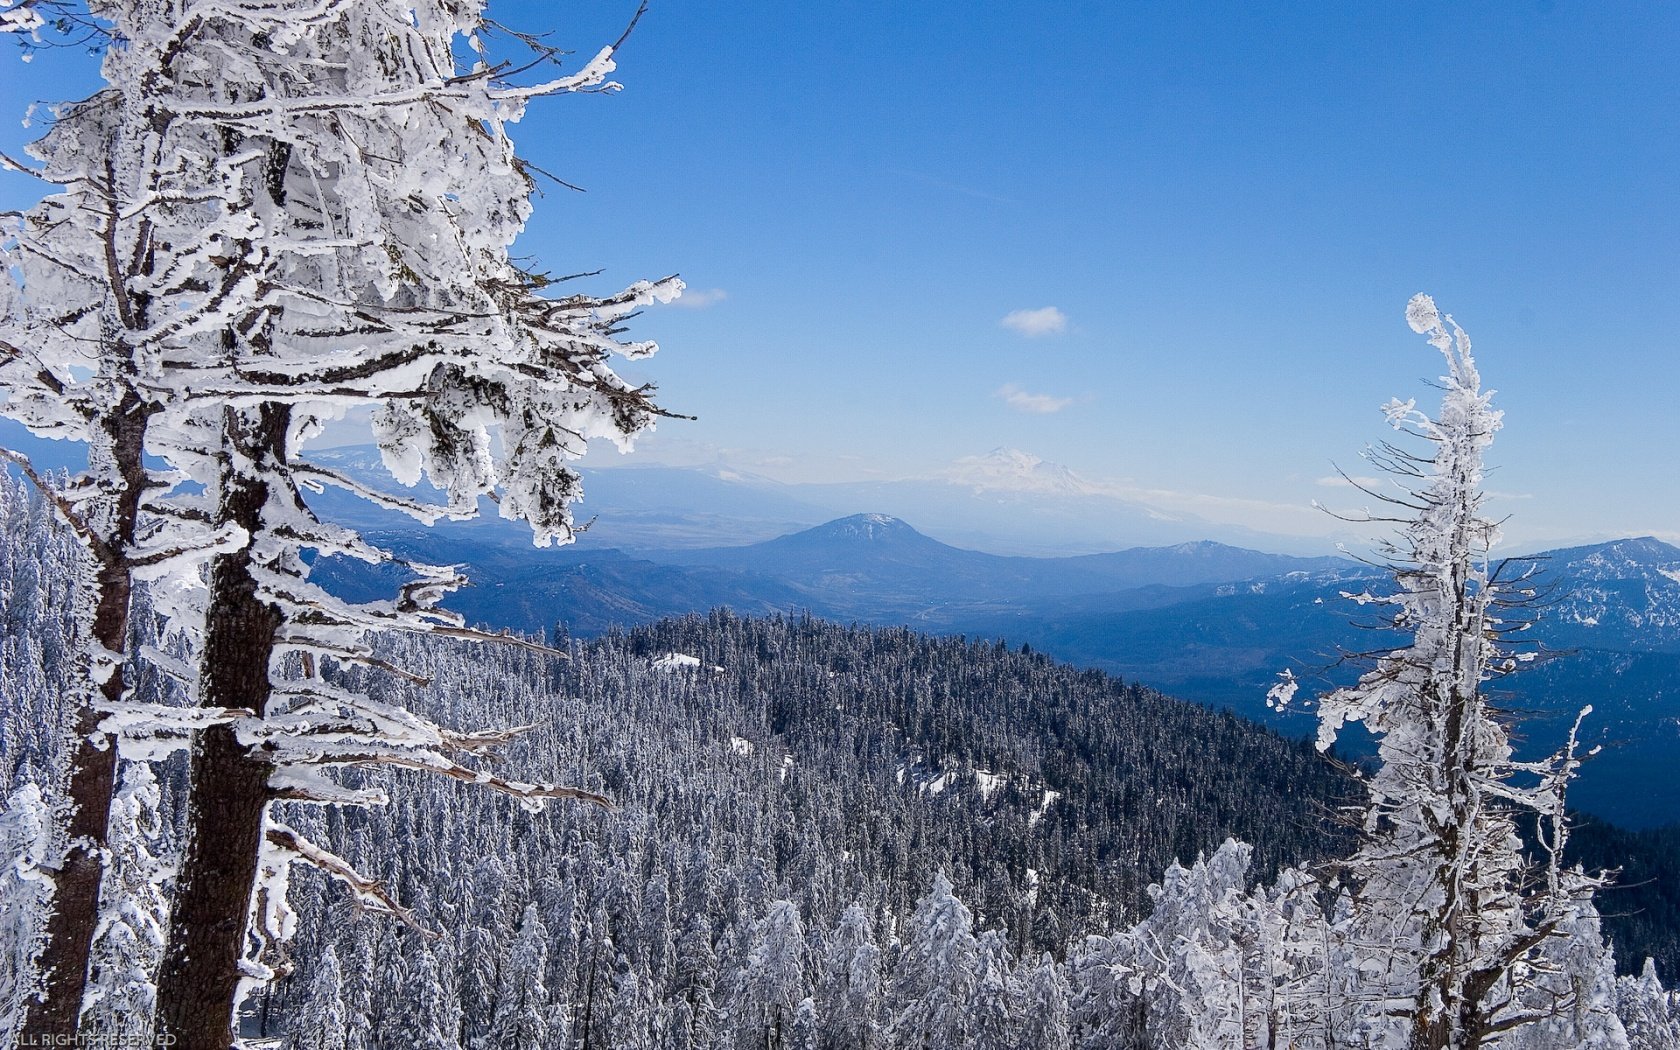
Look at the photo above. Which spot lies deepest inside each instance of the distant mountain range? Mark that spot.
(1205, 621)
(870, 565)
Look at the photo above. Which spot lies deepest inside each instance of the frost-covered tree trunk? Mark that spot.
(93, 760)
(103, 507)
(229, 780)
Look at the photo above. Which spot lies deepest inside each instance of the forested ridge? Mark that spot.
(772, 779)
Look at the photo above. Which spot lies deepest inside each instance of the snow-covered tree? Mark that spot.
(1649, 1012)
(134, 910)
(934, 981)
(695, 981)
(1449, 923)
(1103, 1008)
(1045, 1021)
(849, 991)
(25, 840)
(522, 1002)
(322, 1023)
(276, 214)
(1189, 955)
(996, 1010)
(774, 980)
(431, 1007)
(1573, 988)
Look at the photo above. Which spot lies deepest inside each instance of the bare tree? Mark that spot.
(1451, 922)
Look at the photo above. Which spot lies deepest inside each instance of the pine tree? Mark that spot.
(276, 214)
(1188, 956)
(849, 993)
(773, 982)
(134, 911)
(997, 1007)
(25, 842)
(696, 979)
(522, 1004)
(1649, 1012)
(1045, 1022)
(934, 980)
(322, 1023)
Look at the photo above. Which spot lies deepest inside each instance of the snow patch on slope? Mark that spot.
(674, 662)
(1043, 807)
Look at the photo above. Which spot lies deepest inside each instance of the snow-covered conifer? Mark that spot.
(277, 214)
(849, 991)
(322, 1023)
(774, 980)
(996, 1010)
(1189, 954)
(1045, 1021)
(25, 842)
(133, 912)
(431, 1007)
(1103, 1007)
(934, 979)
(1573, 988)
(807, 1026)
(522, 1004)
(696, 979)
(1649, 1013)
(1448, 921)
(633, 1011)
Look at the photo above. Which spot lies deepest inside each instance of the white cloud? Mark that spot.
(700, 298)
(1337, 481)
(1022, 401)
(1036, 324)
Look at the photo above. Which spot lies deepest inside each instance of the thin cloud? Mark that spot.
(1337, 481)
(955, 187)
(700, 298)
(1039, 404)
(1036, 324)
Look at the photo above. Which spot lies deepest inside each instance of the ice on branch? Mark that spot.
(270, 217)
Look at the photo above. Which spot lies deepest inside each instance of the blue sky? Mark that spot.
(1226, 205)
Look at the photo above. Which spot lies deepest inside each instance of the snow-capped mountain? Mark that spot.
(1613, 595)
(1012, 470)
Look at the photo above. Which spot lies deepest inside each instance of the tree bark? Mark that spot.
(74, 918)
(229, 792)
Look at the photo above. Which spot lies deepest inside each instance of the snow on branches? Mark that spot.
(275, 214)
(1464, 925)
